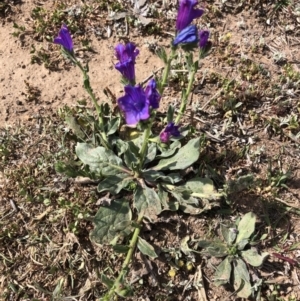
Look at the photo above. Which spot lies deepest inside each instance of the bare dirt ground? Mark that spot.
(245, 101)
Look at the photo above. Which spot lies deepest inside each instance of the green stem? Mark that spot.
(132, 245)
(88, 88)
(144, 145)
(167, 71)
(186, 96)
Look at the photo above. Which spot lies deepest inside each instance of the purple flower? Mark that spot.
(203, 38)
(187, 35)
(187, 13)
(170, 130)
(152, 94)
(126, 55)
(64, 38)
(134, 104)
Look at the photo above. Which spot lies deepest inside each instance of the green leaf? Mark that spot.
(74, 126)
(184, 158)
(166, 203)
(101, 161)
(114, 184)
(113, 125)
(229, 233)
(253, 258)
(246, 227)
(112, 221)
(151, 153)
(189, 204)
(146, 248)
(153, 176)
(170, 113)
(147, 202)
(170, 151)
(241, 279)
(120, 248)
(223, 272)
(213, 248)
(107, 281)
(202, 188)
(131, 155)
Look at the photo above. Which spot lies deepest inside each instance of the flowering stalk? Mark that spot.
(88, 88)
(118, 286)
(167, 71)
(144, 145)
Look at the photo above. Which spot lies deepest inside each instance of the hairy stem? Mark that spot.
(144, 146)
(167, 69)
(117, 286)
(88, 88)
(186, 96)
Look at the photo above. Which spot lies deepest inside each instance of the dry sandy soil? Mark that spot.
(245, 101)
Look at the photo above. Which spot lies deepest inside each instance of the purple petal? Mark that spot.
(187, 13)
(152, 94)
(170, 130)
(64, 38)
(126, 69)
(164, 137)
(187, 35)
(126, 54)
(134, 105)
(203, 38)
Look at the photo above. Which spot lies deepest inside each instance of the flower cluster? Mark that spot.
(126, 55)
(188, 34)
(170, 130)
(64, 39)
(137, 102)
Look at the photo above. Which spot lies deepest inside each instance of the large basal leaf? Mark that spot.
(203, 188)
(253, 257)
(114, 184)
(100, 160)
(147, 202)
(223, 272)
(246, 227)
(146, 248)
(112, 221)
(241, 278)
(184, 158)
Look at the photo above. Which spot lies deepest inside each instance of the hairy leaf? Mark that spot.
(246, 227)
(114, 184)
(112, 221)
(153, 176)
(213, 248)
(100, 160)
(113, 125)
(241, 278)
(146, 201)
(203, 188)
(223, 272)
(252, 257)
(184, 158)
(146, 248)
(229, 233)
